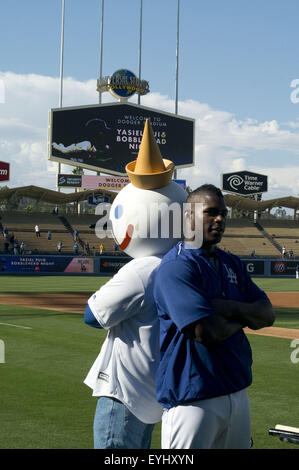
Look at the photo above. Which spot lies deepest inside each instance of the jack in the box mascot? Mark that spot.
(146, 222)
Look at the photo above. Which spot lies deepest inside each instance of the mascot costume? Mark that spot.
(123, 375)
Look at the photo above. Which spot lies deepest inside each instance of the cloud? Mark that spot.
(223, 143)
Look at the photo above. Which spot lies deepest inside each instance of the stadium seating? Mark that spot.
(242, 246)
(241, 235)
(283, 231)
(22, 226)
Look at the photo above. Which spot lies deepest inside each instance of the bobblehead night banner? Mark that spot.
(107, 137)
(46, 264)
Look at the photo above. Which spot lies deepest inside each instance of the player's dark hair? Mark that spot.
(205, 189)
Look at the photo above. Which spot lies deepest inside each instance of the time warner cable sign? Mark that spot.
(106, 137)
(244, 183)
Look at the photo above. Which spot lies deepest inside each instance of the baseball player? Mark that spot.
(204, 298)
(123, 375)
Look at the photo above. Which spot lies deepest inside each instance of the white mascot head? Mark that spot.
(146, 215)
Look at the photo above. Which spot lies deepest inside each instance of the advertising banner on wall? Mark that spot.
(283, 268)
(96, 199)
(104, 182)
(110, 265)
(4, 171)
(46, 264)
(69, 181)
(255, 267)
(106, 137)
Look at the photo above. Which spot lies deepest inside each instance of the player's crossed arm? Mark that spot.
(213, 329)
(254, 315)
(230, 317)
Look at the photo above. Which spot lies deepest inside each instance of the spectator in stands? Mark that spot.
(49, 235)
(101, 248)
(6, 245)
(252, 254)
(115, 247)
(59, 246)
(11, 239)
(291, 253)
(75, 235)
(5, 233)
(37, 230)
(16, 247)
(22, 247)
(76, 248)
(283, 251)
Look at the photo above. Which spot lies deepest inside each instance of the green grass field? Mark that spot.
(44, 403)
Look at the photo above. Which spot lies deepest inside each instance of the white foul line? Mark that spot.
(17, 326)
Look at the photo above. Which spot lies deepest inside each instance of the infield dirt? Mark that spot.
(75, 303)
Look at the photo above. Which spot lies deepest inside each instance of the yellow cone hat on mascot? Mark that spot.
(150, 170)
(141, 210)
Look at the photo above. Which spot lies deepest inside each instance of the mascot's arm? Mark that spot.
(116, 301)
(90, 319)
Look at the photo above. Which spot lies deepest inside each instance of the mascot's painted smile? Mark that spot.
(128, 237)
(118, 213)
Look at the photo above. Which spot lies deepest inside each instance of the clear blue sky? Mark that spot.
(237, 56)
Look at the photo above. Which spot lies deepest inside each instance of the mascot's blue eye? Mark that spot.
(118, 211)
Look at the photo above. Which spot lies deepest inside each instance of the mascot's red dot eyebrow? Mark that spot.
(128, 237)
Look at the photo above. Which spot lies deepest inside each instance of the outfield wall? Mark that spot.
(109, 265)
(61, 264)
(265, 267)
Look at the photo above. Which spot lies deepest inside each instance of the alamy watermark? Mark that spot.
(154, 220)
(2, 351)
(294, 96)
(2, 91)
(295, 354)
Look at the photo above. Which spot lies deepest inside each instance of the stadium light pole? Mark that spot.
(101, 49)
(140, 46)
(61, 67)
(177, 58)
(101, 56)
(177, 67)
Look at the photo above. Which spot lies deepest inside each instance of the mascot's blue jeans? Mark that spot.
(115, 427)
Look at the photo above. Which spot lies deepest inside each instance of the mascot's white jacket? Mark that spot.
(126, 366)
